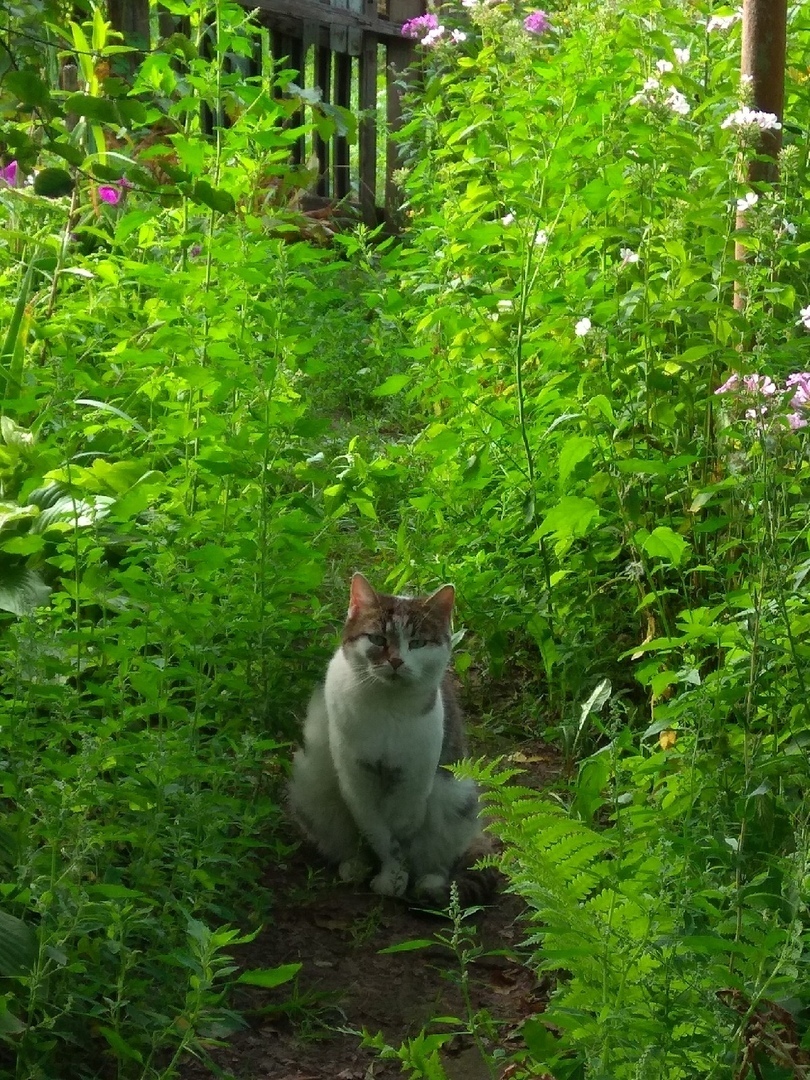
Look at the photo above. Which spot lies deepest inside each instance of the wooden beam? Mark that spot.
(300, 10)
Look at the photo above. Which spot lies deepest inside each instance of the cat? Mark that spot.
(369, 786)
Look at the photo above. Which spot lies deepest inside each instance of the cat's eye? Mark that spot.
(376, 639)
(417, 643)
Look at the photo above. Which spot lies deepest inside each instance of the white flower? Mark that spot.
(750, 118)
(506, 305)
(628, 255)
(723, 22)
(682, 55)
(432, 36)
(747, 201)
(508, 219)
(584, 325)
(646, 95)
(541, 237)
(677, 102)
(746, 79)
(664, 66)
(788, 229)
(804, 317)
(458, 36)
(316, 457)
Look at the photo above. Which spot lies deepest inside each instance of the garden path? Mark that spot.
(308, 1030)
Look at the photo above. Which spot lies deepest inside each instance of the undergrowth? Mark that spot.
(543, 391)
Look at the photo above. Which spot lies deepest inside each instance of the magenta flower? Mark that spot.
(537, 22)
(9, 173)
(420, 26)
(111, 193)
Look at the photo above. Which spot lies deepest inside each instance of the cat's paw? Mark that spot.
(433, 887)
(354, 871)
(392, 880)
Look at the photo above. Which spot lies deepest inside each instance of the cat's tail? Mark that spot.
(478, 887)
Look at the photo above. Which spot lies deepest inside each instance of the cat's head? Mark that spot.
(398, 640)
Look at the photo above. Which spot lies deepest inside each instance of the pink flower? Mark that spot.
(8, 173)
(796, 421)
(111, 193)
(420, 26)
(759, 384)
(728, 385)
(537, 22)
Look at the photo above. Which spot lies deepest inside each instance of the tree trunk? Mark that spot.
(764, 44)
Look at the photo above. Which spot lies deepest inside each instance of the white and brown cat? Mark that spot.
(369, 785)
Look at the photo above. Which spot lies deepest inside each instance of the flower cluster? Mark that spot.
(757, 394)
(752, 118)
(652, 94)
(583, 327)
(428, 31)
(537, 22)
(420, 26)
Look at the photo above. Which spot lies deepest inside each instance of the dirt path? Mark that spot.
(309, 1030)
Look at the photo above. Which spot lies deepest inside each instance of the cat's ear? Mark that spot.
(362, 595)
(441, 602)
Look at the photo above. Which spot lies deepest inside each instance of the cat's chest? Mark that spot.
(387, 739)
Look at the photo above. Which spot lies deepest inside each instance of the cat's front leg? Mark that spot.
(363, 801)
(392, 879)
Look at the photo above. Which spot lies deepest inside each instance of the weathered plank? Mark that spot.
(343, 96)
(368, 129)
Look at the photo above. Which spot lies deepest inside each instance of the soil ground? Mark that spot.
(310, 1029)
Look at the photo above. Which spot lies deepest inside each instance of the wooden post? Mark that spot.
(131, 19)
(764, 45)
(343, 96)
(323, 79)
(368, 130)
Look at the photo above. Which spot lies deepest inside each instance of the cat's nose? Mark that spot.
(395, 662)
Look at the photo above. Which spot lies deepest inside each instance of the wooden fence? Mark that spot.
(346, 45)
(348, 49)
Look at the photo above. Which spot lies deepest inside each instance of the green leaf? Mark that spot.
(29, 88)
(216, 198)
(120, 1046)
(21, 590)
(105, 406)
(18, 945)
(270, 977)
(573, 516)
(665, 543)
(97, 109)
(392, 385)
(575, 450)
(408, 946)
(53, 183)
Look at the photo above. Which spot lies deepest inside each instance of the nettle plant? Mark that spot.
(163, 527)
(575, 195)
